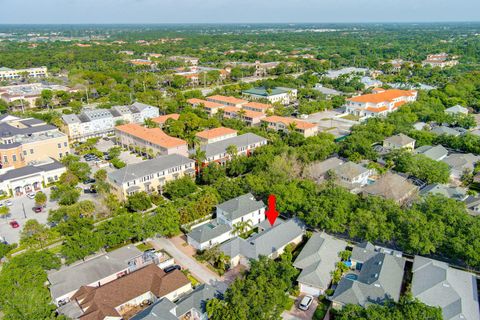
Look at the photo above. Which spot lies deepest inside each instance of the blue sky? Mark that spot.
(225, 11)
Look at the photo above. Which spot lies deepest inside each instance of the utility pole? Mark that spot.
(24, 212)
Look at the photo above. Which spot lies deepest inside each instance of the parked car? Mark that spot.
(8, 203)
(305, 303)
(2, 240)
(14, 224)
(89, 180)
(31, 195)
(172, 268)
(37, 209)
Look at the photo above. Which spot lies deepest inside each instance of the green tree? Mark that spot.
(40, 198)
(139, 201)
(179, 188)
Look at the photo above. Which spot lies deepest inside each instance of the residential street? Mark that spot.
(199, 271)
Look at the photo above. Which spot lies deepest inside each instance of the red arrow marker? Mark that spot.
(271, 212)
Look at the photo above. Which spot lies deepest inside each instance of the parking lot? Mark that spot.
(21, 210)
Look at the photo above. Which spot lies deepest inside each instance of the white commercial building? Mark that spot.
(12, 74)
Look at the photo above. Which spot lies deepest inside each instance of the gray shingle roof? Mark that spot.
(71, 278)
(436, 153)
(240, 206)
(456, 193)
(160, 310)
(318, 258)
(7, 130)
(350, 170)
(266, 242)
(457, 109)
(391, 186)
(208, 231)
(165, 309)
(445, 130)
(454, 291)
(318, 170)
(379, 280)
(220, 147)
(460, 161)
(71, 118)
(196, 300)
(144, 168)
(29, 170)
(400, 140)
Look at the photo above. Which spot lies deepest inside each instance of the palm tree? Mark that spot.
(292, 126)
(241, 114)
(242, 227)
(200, 156)
(149, 123)
(232, 151)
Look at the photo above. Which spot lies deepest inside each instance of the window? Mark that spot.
(64, 144)
(5, 159)
(59, 145)
(60, 154)
(24, 152)
(14, 157)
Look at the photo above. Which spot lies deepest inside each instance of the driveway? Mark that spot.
(198, 270)
(297, 314)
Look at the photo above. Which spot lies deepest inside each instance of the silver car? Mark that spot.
(305, 303)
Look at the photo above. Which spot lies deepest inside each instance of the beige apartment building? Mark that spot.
(28, 141)
(285, 124)
(215, 134)
(150, 176)
(151, 141)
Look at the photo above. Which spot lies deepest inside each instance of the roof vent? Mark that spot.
(379, 263)
(377, 285)
(446, 285)
(375, 275)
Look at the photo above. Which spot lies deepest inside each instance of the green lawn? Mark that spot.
(144, 246)
(289, 304)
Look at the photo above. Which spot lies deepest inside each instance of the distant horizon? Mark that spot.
(239, 23)
(72, 12)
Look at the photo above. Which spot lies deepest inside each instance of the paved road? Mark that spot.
(198, 270)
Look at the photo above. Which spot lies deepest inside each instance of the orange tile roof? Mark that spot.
(232, 100)
(206, 104)
(164, 118)
(153, 135)
(248, 113)
(300, 124)
(258, 105)
(373, 109)
(385, 96)
(215, 132)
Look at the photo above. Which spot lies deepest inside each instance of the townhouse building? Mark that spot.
(215, 135)
(284, 124)
(379, 103)
(149, 141)
(245, 144)
(227, 101)
(251, 118)
(209, 107)
(150, 175)
(93, 123)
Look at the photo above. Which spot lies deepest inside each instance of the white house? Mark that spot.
(244, 209)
